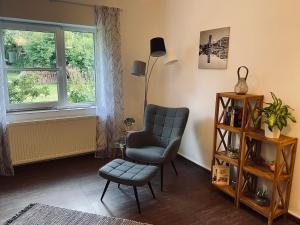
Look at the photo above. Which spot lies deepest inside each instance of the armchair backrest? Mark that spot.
(165, 124)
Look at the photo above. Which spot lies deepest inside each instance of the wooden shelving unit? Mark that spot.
(281, 178)
(223, 133)
(223, 157)
(249, 168)
(226, 189)
(265, 211)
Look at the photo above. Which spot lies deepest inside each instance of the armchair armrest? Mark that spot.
(137, 139)
(172, 149)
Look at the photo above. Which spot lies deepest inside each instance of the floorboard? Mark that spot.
(73, 183)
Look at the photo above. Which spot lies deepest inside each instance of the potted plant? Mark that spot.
(261, 198)
(275, 117)
(129, 122)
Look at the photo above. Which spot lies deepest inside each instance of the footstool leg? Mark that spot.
(105, 188)
(137, 198)
(150, 187)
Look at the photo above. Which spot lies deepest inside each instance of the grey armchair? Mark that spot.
(159, 142)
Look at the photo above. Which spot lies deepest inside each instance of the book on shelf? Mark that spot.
(233, 116)
(221, 175)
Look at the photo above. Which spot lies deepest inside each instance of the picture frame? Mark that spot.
(214, 48)
(221, 175)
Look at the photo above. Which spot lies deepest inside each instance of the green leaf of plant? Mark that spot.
(283, 121)
(292, 118)
(279, 104)
(274, 98)
(279, 124)
(272, 120)
(257, 121)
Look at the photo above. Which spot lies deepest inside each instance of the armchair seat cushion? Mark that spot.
(146, 154)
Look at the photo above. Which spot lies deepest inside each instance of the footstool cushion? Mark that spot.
(123, 172)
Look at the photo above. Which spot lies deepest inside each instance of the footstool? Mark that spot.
(128, 173)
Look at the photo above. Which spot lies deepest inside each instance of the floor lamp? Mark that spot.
(140, 68)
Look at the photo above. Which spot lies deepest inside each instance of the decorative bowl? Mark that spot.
(233, 155)
(262, 201)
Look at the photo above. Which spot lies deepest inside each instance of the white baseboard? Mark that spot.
(297, 215)
(199, 164)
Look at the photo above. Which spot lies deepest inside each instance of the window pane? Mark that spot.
(31, 86)
(25, 49)
(79, 54)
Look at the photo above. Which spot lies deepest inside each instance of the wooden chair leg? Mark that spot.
(161, 177)
(137, 198)
(105, 188)
(150, 187)
(173, 165)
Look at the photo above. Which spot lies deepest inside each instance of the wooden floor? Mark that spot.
(73, 183)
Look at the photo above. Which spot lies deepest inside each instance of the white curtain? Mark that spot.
(6, 168)
(109, 90)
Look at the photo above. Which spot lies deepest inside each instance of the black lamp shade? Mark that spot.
(138, 68)
(157, 47)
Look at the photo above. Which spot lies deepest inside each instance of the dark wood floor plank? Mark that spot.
(188, 199)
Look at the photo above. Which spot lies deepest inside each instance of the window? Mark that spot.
(80, 66)
(47, 66)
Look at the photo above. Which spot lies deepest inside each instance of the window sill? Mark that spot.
(27, 116)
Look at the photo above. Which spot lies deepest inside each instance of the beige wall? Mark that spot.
(264, 37)
(46, 10)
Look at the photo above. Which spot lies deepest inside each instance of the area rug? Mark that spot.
(39, 214)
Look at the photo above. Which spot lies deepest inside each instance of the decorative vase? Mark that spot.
(241, 87)
(275, 133)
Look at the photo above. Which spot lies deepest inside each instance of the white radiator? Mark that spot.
(48, 139)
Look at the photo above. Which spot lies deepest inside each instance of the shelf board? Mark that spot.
(263, 172)
(259, 134)
(224, 157)
(229, 128)
(226, 189)
(263, 210)
(233, 95)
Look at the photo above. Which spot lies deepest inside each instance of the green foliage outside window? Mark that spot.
(37, 49)
(80, 88)
(26, 88)
(79, 50)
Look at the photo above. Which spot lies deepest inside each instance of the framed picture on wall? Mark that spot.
(213, 48)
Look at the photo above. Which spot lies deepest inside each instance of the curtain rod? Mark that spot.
(75, 3)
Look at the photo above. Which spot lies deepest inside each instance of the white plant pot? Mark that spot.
(275, 133)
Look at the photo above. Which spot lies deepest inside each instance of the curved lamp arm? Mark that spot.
(157, 49)
(147, 80)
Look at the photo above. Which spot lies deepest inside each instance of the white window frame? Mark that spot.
(58, 30)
